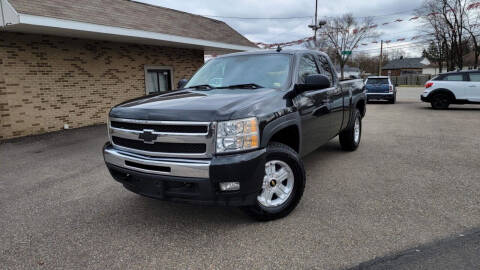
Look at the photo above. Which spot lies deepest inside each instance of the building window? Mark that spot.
(158, 79)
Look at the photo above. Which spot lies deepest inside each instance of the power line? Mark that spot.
(407, 45)
(299, 17)
(257, 18)
(383, 15)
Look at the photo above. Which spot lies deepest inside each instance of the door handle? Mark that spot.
(323, 110)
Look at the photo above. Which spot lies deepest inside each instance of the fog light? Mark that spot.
(229, 186)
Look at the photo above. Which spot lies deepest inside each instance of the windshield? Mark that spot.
(266, 70)
(377, 81)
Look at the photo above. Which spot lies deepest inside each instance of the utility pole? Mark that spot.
(316, 21)
(317, 24)
(381, 59)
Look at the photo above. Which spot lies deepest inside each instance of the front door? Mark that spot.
(158, 81)
(473, 87)
(335, 97)
(314, 108)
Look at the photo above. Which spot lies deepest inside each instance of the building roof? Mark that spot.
(405, 63)
(130, 16)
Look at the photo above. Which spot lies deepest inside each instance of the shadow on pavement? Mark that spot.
(457, 252)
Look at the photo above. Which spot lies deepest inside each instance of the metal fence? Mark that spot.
(410, 79)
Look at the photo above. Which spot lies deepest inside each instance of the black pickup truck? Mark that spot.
(235, 133)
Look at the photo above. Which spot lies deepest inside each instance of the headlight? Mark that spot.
(237, 135)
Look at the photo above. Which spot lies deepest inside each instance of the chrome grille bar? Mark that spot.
(207, 138)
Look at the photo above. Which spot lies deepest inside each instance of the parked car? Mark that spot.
(459, 87)
(236, 132)
(381, 88)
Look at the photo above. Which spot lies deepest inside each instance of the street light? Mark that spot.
(316, 27)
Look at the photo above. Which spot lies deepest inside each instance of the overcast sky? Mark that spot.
(276, 30)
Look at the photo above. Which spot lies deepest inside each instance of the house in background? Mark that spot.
(66, 63)
(433, 69)
(422, 66)
(405, 66)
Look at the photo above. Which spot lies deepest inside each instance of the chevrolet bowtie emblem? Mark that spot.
(147, 136)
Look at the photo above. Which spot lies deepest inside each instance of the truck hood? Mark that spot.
(206, 105)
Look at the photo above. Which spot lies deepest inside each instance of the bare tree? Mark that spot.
(367, 63)
(435, 27)
(472, 27)
(396, 54)
(451, 24)
(344, 34)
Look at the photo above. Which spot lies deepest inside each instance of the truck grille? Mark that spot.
(163, 138)
(188, 148)
(160, 128)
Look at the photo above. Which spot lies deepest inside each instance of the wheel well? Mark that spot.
(442, 91)
(361, 107)
(289, 136)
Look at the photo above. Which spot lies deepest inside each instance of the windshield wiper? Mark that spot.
(244, 85)
(201, 86)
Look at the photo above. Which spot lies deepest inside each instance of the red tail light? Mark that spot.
(428, 84)
(391, 88)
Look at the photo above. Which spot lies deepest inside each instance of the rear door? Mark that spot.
(377, 85)
(473, 87)
(457, 83)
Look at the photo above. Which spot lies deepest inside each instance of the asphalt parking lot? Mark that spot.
(414, 180)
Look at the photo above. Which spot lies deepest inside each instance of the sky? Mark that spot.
(284, 30)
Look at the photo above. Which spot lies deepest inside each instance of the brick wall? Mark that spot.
(46, 81)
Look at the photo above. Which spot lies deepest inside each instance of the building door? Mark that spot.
(158, 81)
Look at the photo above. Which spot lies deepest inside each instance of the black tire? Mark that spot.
(281, 152)
(394, 99)
(440, 101)
(347, 137)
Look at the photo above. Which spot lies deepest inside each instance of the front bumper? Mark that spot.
(190, 181)
(387, 96)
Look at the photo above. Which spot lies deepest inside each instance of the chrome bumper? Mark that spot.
(170, 167)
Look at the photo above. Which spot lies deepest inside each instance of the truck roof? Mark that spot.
(377, 77)
(283, 51)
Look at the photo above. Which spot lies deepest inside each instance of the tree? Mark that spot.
(344, 34)
(436, 54)
(451, 25)
(367, 63)
(472, 27)
(396, 54)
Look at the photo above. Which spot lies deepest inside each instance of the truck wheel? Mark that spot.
(394, 99)
(282, 186)
(440, 102)
(350, 137)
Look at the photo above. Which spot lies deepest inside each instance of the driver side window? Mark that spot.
(307, 67)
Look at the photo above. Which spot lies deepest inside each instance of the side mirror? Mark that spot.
(314, 82)
(182, 83)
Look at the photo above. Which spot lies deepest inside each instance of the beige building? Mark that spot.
(66, 63)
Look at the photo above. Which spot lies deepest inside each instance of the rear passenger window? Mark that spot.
(475, 77)
(453, 77)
